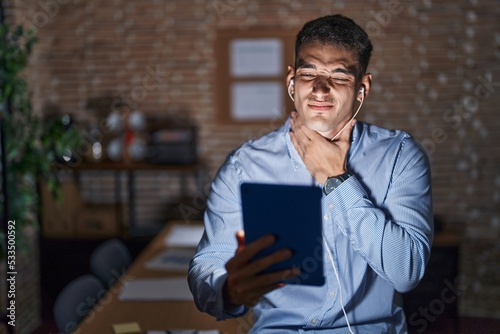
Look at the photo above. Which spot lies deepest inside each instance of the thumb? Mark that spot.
(240, 237)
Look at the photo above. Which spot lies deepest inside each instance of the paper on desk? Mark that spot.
(184, 236)
(127, 328)
(171, 259)
(184, 331)
(156, 289)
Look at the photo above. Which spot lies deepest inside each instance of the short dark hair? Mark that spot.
(340, 32)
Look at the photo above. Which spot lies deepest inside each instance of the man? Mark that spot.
(377, 207)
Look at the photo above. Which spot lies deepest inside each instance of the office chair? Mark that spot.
(75, 301)
(109, 260)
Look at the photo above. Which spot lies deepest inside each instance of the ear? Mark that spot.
(290, 75)
(366, 83)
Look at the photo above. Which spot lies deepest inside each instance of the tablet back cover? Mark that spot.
(293, 214)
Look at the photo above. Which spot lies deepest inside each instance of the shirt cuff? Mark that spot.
(226, 313)
(345, 196)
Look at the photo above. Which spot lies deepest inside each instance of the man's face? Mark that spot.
(325, 87)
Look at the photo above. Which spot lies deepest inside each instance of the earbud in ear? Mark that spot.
(289, 90)
(362, 91)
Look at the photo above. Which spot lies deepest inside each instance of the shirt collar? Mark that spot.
(292, 152)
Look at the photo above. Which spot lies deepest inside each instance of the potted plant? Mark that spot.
(33, 144)
(31, 147)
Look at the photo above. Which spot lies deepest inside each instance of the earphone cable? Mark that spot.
(338, 282)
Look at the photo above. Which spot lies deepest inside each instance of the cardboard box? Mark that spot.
(98, 220)
(58, 217)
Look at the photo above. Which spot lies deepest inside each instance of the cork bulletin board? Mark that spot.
(251, 75)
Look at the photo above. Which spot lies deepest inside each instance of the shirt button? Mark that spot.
(325, 217)
(331, 294)
(331, 206)
(314, 322)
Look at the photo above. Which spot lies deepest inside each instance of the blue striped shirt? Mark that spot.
(377, 228)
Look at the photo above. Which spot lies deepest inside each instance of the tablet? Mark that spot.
(293, 214)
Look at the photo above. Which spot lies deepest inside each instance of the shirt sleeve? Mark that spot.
(394, 238)
(207, 272)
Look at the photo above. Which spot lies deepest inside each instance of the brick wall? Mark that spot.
(27, 310)
(436, 72)
(27, 278)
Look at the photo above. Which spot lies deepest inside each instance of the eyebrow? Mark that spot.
(303, 64)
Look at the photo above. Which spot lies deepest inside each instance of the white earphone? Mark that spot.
(289, 92)
(362, 91)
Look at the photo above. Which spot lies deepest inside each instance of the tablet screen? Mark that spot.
(293, 214)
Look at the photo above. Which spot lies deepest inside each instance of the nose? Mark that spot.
(321, 87)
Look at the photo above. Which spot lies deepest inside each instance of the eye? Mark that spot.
(340, 80)
(307, 75)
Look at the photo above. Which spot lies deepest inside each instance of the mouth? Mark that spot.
(320, 106)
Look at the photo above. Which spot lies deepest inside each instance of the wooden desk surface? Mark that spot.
(153, 315)
(163, 315)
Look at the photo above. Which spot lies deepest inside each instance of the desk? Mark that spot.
(154, 315)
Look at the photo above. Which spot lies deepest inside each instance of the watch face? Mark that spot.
(334, 182)
(331, 184)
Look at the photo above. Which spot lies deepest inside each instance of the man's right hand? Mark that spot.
(245, 282)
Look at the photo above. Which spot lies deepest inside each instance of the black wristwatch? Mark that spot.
(335, 181)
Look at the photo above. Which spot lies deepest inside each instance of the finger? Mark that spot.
(262, 284)
(346, 134)
(295, 118)
(247, 252)
(251, 297)
(300, 133)
(294, 121)
(298, 127)
(240, 238)
(278, 276)
(258, 266)
(251, 249)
